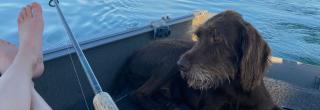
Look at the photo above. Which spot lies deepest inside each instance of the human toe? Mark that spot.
(28, 10)
(21, 15)
(37, 10)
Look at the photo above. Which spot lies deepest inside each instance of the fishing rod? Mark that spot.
(102, 100)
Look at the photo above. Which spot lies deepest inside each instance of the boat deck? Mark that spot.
(284, 94)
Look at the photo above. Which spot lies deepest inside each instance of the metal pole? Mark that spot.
(83, 60)
(101, 100)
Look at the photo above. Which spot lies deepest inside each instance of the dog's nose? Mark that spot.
(184, 65)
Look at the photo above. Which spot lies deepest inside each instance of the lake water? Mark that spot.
(291, 27)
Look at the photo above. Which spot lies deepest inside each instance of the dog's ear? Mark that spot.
(255, 57)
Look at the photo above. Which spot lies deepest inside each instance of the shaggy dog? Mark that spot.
(223, 70)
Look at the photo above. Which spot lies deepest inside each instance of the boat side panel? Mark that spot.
(59, 85)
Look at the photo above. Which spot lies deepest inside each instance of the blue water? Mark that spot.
(291, 27)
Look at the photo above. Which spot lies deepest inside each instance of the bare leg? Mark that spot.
(34, 28)
(37, 102)
(16, 88)
(8, 52)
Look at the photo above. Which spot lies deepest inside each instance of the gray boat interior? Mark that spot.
(292, 84)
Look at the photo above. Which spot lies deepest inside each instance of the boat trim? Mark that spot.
(108, 38)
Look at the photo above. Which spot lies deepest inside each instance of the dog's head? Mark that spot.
(228, 48)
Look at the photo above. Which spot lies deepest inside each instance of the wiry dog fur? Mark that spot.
(223, 70)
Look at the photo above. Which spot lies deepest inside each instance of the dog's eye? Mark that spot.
(197, 34)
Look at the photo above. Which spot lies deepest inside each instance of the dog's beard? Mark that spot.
(205, 78)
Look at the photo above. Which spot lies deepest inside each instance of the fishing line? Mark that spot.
(74, 69)
(78, 79)
(83, 60)
(124, 96)
(102, 100)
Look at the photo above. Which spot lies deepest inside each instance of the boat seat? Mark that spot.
(291, 96)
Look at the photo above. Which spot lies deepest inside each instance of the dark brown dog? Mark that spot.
(224, 70)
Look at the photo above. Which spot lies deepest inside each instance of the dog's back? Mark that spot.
(158, 54)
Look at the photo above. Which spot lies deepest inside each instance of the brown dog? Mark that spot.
(222, 71)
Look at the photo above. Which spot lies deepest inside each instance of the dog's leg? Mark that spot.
(143, 94)
(159, 78)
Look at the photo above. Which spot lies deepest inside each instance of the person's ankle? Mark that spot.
(30, 57)
(33, 54)
(21, 64)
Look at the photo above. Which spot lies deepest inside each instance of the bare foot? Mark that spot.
(30, 26)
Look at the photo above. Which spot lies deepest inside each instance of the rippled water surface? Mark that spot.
(291, 27)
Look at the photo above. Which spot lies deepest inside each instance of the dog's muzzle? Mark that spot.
(202, 78)
(184, 65)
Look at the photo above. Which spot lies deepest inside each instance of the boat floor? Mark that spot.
(283, 94)
(123, 100)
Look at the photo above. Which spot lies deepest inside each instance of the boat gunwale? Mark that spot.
(103, 38)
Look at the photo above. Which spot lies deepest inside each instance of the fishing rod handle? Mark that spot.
(103, 101)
